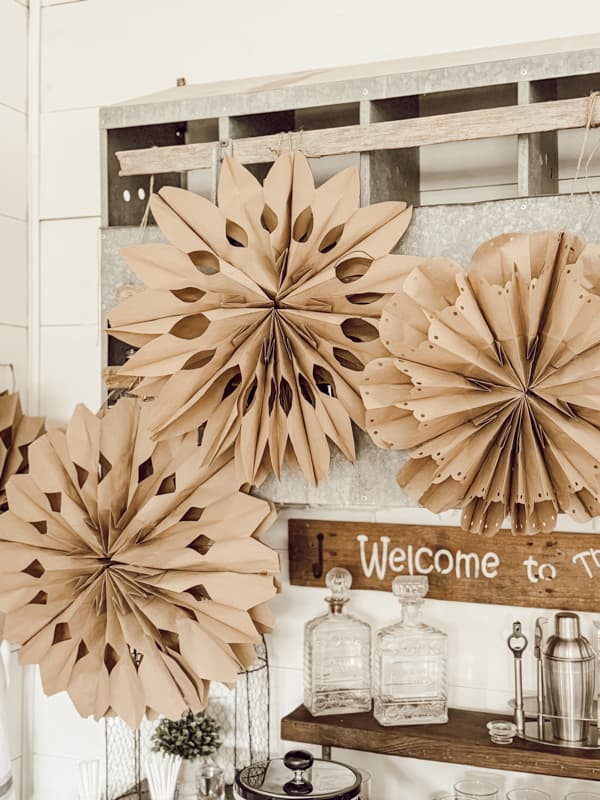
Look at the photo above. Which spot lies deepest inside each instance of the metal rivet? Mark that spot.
(365, 91)
(523, 71)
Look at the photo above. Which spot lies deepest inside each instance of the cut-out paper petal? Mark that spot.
(493, 383)
(260, 315)
(129, 572)
(17, 432)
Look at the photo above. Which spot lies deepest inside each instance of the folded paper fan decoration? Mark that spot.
(130, 574)
(262, 313)
(494, 383)
(17, 432)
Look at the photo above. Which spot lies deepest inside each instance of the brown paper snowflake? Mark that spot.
(129, 573)
(495, 383)
(262, 313)
(17, 432)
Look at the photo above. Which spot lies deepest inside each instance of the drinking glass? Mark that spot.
(365, 788)
(527, 794)
(582, 796)
(210, 782)
(475, 789)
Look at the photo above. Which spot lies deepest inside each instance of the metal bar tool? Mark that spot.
(517, 644)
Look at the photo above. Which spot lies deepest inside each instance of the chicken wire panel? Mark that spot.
(242, 713)
(252, 712)
(126, 753)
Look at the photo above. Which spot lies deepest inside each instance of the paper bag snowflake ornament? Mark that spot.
(129, 573)
(262, 313)
(494, 383)
(17, 432)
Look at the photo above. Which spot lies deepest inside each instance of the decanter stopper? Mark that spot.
(338, 581)
(410, 589)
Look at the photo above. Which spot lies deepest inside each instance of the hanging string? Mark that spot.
(593, 98)
(277, 150)
(291, 146)
(11, 367)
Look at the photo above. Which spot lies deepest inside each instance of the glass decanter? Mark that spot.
(410, 675)
(337, 655)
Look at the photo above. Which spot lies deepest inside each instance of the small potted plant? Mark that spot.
(195, 738)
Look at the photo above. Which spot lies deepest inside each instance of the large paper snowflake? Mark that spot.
(17, 432)
(129, 573)
(262, 314)
(495, 383)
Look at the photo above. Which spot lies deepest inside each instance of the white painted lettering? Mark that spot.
(437, 559)
(397, 559)
(582, 557)
(551, 569)
(466, 560)
(411, 565)
(375, 563)
(422, 551)
(531, 565)
(489, 565)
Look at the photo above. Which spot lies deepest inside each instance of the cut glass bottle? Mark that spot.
(410, 665)
(337, 655)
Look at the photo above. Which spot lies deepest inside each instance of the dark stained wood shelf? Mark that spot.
(463, 740)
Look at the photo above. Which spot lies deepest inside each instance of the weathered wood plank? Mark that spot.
(394, 134)
(555, 570)
(463, 740)
(390, 173)
(113, 380)
(537, 153)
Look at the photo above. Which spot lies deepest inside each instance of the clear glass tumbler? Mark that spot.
(365, 787)
(210, 782)
(527, 794)
(475, 789)
(582, 796)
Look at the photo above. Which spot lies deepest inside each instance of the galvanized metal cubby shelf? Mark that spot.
(385, 113)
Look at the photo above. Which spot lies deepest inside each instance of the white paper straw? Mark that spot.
(162, 772)
(89, 781)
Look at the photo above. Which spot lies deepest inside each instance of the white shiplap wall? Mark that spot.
(13, 189)
(96, 52)
(13, 265)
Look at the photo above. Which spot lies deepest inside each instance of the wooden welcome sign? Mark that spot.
(560, 570)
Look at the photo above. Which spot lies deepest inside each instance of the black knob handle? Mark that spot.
(298, 760)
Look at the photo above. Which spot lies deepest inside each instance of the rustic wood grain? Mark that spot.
(389, 135)
(572, 588)
(464, 740)
(113, 380)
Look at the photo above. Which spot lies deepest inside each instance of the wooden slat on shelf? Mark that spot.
(464, 740)
(414, 132)
(113, 380)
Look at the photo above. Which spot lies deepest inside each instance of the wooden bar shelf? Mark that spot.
(464, 740)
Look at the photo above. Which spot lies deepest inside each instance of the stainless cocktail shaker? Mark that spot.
(570, 677)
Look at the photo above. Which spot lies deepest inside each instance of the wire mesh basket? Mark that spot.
(243, 717)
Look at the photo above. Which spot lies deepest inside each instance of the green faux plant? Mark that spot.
(190, 737)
